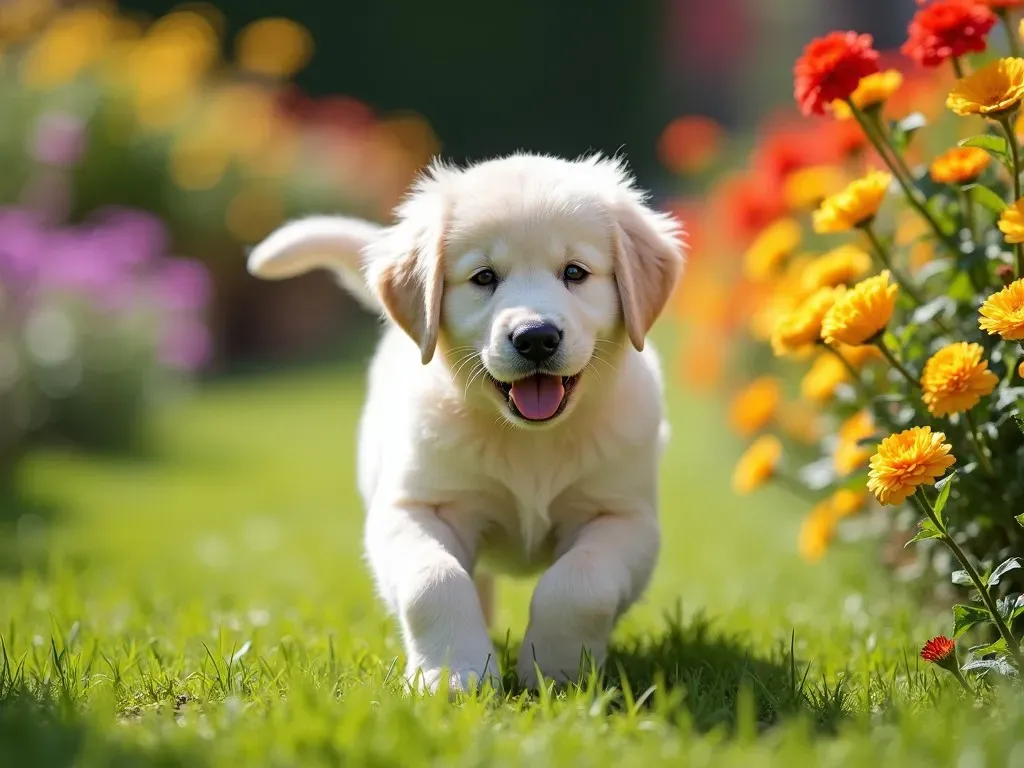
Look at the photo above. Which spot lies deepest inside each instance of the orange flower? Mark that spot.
(757, 465)
(689, 144)
(860, 313)
(872, 91)
(938, 650)
(907, 460)
(850, 455)
(839, 266)
(1003, 312)
(827, 373)
(1011, 222)
(805, 188)
(853, 206)
(947, 29)
(831, 68)
(846, 502)
(959, 165)
(993, 91)
(956, 378)
(801, 329)
(755, 406)
(770, 248)
(816, 532)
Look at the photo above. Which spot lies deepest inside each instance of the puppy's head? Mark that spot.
(529, 274)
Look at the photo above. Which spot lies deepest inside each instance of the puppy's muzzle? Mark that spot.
(536, 341)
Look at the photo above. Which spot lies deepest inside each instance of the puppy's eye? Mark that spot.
(574, 273)
(484, 277)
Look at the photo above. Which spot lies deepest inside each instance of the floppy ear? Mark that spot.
(405, 269)
(648, 254)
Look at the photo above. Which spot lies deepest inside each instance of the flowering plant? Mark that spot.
(95, 317)
(884, 271)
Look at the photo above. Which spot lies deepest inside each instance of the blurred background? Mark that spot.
(145, 145)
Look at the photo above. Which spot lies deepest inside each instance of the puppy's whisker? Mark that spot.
(464, 362)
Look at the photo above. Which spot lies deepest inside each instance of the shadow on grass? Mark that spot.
(34, 733)
(712, 679)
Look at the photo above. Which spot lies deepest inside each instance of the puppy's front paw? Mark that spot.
(558, 658)
(461, 678)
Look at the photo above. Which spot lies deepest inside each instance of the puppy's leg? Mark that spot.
(485, 591)
(577, 601)
(422, 570)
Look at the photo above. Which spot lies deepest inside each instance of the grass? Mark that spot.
(209, 606)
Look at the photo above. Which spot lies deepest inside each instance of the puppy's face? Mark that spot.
(530, 311)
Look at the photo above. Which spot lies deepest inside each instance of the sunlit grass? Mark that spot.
(209, 605)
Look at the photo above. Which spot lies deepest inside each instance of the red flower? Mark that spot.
(1000, 4)
(946, 29)
(830, 69)
(938, 649)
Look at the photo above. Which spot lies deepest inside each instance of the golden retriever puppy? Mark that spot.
(513, 420)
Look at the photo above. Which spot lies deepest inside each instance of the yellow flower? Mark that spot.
(801, 421)
(821, 380)
(846, 502)
(872, 90)
(836, 267)
(907, 460)
(850, 455)
(1020, 369)
(816, 532)
(805, 188)
(959, 165)
(755, 406)
(770, 248)
(853, 206)
(956, 378)
(993, 91)
(861, 312)
(1011, 222)
(757, 465)
(801, 328)
(1003, 312)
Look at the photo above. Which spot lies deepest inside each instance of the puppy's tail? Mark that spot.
(335, 243)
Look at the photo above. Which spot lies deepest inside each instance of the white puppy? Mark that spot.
(514, 420)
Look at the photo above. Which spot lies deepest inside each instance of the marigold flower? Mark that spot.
(846, 502)
(907, 460)
(872, 91)
(770, 248)
(854, 206)
(805, 188)
(831, 68)
(859, 355)
(1020, 370)
(839, 266)
(755, 406)
(801, 328)
(816, 532)
(938, 649)
(801, 421)
(959, 165)
(946, 29)
(992, 91)
(850, 455)
(757, 465)
(1011, 222)
(827, 373)
(956, 378)
(1003, 312)
(860, 313)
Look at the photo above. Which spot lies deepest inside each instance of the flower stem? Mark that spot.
(912, 193)
(978, 440)
(858, 382)
(972, 574)
(1011, 142)
(895, 363)
(794, 487)
(967, 210)
(1011, 34)
(963, 682)
(958, 67)
(874, 115)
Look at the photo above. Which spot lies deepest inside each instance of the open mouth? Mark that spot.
(538, 397)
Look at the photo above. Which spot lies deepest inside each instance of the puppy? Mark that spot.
(514, 419)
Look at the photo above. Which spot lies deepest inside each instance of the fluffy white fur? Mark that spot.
(456, 485)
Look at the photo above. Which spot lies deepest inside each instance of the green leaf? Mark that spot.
(1000, 665)
(903, 130)
(986, 197)
(961, 579)
(994, 145)
(1009, 564)
(1019, 518)
(925, 530)
(966, 616)
(999, 646)
(943, 486)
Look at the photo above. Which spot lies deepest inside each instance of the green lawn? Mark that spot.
(208, 606)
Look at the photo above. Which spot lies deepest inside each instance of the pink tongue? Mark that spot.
(537, 397)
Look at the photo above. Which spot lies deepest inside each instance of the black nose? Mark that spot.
(536, 342)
